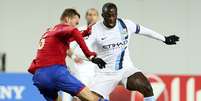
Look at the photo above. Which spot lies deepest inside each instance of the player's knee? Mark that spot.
(138, 82)
(147, 90)
(142, 87)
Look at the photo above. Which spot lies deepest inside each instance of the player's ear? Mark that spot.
(67, 20)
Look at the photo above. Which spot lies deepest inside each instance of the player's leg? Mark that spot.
(49, 95)
(43, 81)
(75, 98)
(85, 73)
(138, 82)
(104, 83)
(87, 95)
(69, 84)
(134, 79)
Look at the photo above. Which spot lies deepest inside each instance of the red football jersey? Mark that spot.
(54, 44)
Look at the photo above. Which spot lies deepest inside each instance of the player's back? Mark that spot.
(52, 47)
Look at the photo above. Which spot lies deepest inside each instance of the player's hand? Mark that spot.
(101, 64)
(87, 32)
(89, 27)
(92, 23)
(171, 40)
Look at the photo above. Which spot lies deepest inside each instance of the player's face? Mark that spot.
(74, 21)
(110, 17)
(91, 16)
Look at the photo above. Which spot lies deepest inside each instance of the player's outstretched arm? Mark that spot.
(86, 32)
(91, 55)
(169, 40)
(79, 39)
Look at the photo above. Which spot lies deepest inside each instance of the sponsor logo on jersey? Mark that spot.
(116, 45)
(103, 38)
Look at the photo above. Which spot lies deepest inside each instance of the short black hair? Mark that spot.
(69, 12)
(108, 6)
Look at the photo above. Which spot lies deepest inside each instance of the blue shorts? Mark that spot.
(49, 80)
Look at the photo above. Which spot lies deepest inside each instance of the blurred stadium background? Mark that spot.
(173, 70)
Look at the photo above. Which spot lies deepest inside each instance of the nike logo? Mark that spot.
(103, 38)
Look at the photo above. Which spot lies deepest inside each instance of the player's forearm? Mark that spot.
(150, 33)
(86, 32)
(79, 39)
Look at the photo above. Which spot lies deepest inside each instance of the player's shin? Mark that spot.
(87, 95)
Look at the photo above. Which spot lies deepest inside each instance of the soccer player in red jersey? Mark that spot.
(49, 69)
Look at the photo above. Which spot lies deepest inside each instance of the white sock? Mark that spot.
(151, 98)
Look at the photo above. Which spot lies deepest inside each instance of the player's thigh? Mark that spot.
(68, 83)
(49, 95)
(44, 82)
(139, 82)
(103, 83)
(128, 70)
(86, 73)
(42, 79)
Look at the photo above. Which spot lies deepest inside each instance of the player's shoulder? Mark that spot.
(65, 26)
(98, 24)
(61, 30)
(97, 27)
(127, 21)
